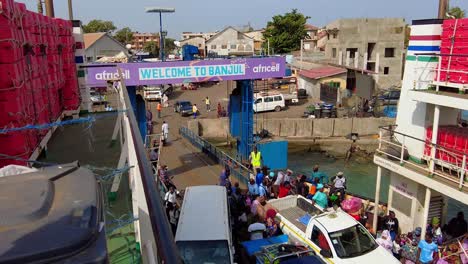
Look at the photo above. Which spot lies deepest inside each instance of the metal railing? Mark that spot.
(156, 164)
(435, 84)
(238, 170)
(152, 227)
(394, 145)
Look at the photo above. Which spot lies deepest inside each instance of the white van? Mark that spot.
(152, 93)
(204, 229)
(268, 102)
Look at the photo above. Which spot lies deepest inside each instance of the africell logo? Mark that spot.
(104, 75)
(271, 68)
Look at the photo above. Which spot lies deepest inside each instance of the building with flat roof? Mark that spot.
(373, 44)
(205, 35)
(140, 39)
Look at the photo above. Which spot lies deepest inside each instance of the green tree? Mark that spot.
(286, 31)
(456, 12)
(152, 48)
(124, 35)
(169, 46)
(97, 25)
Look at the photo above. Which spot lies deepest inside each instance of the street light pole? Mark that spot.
(160, 10)
(161, 39)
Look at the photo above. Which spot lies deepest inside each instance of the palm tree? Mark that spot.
(455, 12)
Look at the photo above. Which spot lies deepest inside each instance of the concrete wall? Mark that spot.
(297, 127)
(357, 33)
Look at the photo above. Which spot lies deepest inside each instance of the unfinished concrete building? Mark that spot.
(375, 45)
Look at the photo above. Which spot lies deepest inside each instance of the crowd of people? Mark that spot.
(253, 217)
(411, 247)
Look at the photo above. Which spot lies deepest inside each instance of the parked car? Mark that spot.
(97, 98)
(152, 93)
(390, 97)
(335, 236)
(184, 108)
(268, 102)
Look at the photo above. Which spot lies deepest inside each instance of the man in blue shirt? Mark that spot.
(253, 188)
(426, 250)
(223, 178)
(323, 178)
(259, 177)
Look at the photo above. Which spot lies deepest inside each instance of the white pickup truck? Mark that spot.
(152, 93)
(335, 236)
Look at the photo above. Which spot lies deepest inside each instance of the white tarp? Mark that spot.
(15, 170)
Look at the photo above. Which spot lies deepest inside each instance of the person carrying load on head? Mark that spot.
(256, 159)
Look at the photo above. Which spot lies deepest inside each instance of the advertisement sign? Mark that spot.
(153, 73)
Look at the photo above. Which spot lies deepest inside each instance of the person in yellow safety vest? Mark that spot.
(195, 111)
(256, 159)
(208, 104)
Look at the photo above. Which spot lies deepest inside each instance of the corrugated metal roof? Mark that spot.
(322, 72)
(90, 38)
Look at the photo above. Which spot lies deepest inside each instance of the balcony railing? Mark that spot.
(443, 163)
(422, 83)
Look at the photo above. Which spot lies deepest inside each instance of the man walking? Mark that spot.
(165, 130)
(195, 111)
(159, 108)
(170, 198)
(208, 104)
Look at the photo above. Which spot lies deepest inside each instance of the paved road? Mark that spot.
(187, 164)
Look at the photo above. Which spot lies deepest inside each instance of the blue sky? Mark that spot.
(212, 15)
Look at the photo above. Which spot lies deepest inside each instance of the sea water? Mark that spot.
(360, 175)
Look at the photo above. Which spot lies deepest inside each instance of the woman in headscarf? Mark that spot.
(385, 241)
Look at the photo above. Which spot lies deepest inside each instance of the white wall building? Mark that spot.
(99, 45)
(230, 42)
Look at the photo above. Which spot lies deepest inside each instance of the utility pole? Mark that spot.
(268, 45)
(49, 5)
(443, 6)
(40, 8)
(70, 10)
(302, 45)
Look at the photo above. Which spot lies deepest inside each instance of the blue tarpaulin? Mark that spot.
(305, 219)
(254, 246)
(390, 111)
(274, 154)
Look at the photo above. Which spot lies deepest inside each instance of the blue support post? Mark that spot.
(138, 105)
(235, 110)
(245, 142)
